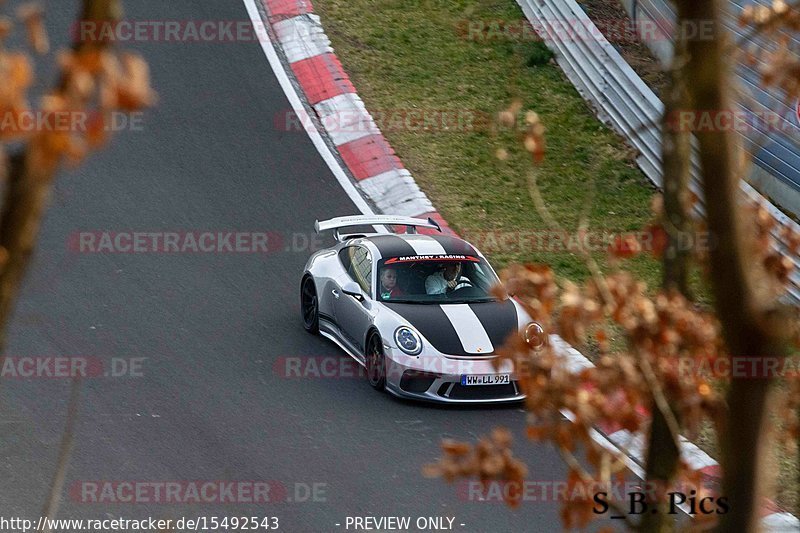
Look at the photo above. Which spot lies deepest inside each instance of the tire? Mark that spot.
(309, 305)
(376, 362)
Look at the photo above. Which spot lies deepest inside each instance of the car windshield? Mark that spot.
(435, 279)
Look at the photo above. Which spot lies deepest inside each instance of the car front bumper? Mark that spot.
(437, 378)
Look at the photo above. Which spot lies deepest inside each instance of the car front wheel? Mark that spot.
(376, 362)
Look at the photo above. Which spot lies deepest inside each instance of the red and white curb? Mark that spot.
(377, 172)
(309, 62)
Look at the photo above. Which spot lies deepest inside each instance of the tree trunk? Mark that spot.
(662, 452)
(745, 318)
(676, 157)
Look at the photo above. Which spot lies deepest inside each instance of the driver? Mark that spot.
(389, 288)
(447, 279)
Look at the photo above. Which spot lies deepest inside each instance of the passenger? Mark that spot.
(389, 288)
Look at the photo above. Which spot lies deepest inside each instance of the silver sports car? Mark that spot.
(415, 310)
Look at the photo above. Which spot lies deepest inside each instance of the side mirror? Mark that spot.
(351, 288)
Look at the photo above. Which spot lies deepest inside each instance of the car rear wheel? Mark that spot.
(376, 362)
(309, 305)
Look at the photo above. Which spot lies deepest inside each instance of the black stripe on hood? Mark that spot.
(430, 320)
(499, 319)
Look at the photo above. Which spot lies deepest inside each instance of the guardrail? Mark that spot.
(621, 99)
(776, 148)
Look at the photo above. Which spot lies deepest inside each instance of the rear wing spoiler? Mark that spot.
(375, 220)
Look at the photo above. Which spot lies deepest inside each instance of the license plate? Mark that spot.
(485, 379)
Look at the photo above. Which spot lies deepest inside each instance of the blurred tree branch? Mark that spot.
(65, 452)
(663, 451)
(751, 324)
(93, 83)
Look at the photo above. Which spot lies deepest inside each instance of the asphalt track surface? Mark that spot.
(209, 405)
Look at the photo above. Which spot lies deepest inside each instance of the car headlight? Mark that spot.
(534, 335)
(408, 340)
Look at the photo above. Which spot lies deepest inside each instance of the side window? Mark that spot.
(344, 257)
(358, 263)
(362, 268)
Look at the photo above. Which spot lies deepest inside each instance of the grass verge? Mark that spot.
(419, 55)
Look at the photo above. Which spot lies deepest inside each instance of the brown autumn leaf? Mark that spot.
(32, 16)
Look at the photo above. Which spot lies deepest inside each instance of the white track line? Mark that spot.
(294, 100)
